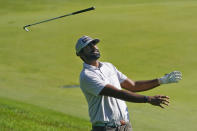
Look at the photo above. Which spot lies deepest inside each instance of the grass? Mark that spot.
(143, 39)
(20, 116)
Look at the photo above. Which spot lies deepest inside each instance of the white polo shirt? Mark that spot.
(103, 109)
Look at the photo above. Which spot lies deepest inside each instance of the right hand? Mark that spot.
(159, 100)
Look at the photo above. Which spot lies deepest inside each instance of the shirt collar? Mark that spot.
(87, 66)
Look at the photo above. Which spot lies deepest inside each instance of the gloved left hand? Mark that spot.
(173, 77)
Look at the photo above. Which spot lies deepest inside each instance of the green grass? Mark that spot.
(143, 39)
(22, 117)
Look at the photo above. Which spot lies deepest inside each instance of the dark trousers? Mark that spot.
(126, 127)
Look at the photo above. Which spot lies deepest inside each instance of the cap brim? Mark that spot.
(95, 41)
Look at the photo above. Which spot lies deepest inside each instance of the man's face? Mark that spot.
(91, 52)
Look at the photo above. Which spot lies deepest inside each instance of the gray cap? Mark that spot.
(84, 41)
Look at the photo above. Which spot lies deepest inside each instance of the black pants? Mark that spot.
(126, 127)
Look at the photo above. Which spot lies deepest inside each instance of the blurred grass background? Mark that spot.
(143, 39)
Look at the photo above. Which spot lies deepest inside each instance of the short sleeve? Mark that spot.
(121, 76)
(92, 83)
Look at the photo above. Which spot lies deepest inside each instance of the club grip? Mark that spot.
(84, 10)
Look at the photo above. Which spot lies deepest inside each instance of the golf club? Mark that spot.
(74, 13)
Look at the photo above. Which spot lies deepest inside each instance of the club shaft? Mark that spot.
(74, 13)
(47, 20)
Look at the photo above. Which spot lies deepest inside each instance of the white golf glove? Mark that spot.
(172, 77)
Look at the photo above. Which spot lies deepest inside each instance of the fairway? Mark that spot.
(143, 39)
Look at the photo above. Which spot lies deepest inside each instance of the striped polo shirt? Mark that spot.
(103, 109)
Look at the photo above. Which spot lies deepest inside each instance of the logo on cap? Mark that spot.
(85, 39)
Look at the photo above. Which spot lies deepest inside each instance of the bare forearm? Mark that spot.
(123, 94)
(145, 85)
(138, 86)
(110, 90)
(131, 97)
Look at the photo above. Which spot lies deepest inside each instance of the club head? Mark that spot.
(25, 28)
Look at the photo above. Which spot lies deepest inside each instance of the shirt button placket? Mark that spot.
(102, 74)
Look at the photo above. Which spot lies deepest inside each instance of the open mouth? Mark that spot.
(95, 52)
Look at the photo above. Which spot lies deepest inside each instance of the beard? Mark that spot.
(93, 56)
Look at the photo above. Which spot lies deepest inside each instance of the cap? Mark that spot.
(84, 41)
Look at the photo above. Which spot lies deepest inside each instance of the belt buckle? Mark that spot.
(122, 122)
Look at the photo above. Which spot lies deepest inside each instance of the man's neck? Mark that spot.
(93, 63)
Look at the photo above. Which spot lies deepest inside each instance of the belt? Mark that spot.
(114, 124)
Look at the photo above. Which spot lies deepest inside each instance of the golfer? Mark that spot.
(106, 89)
